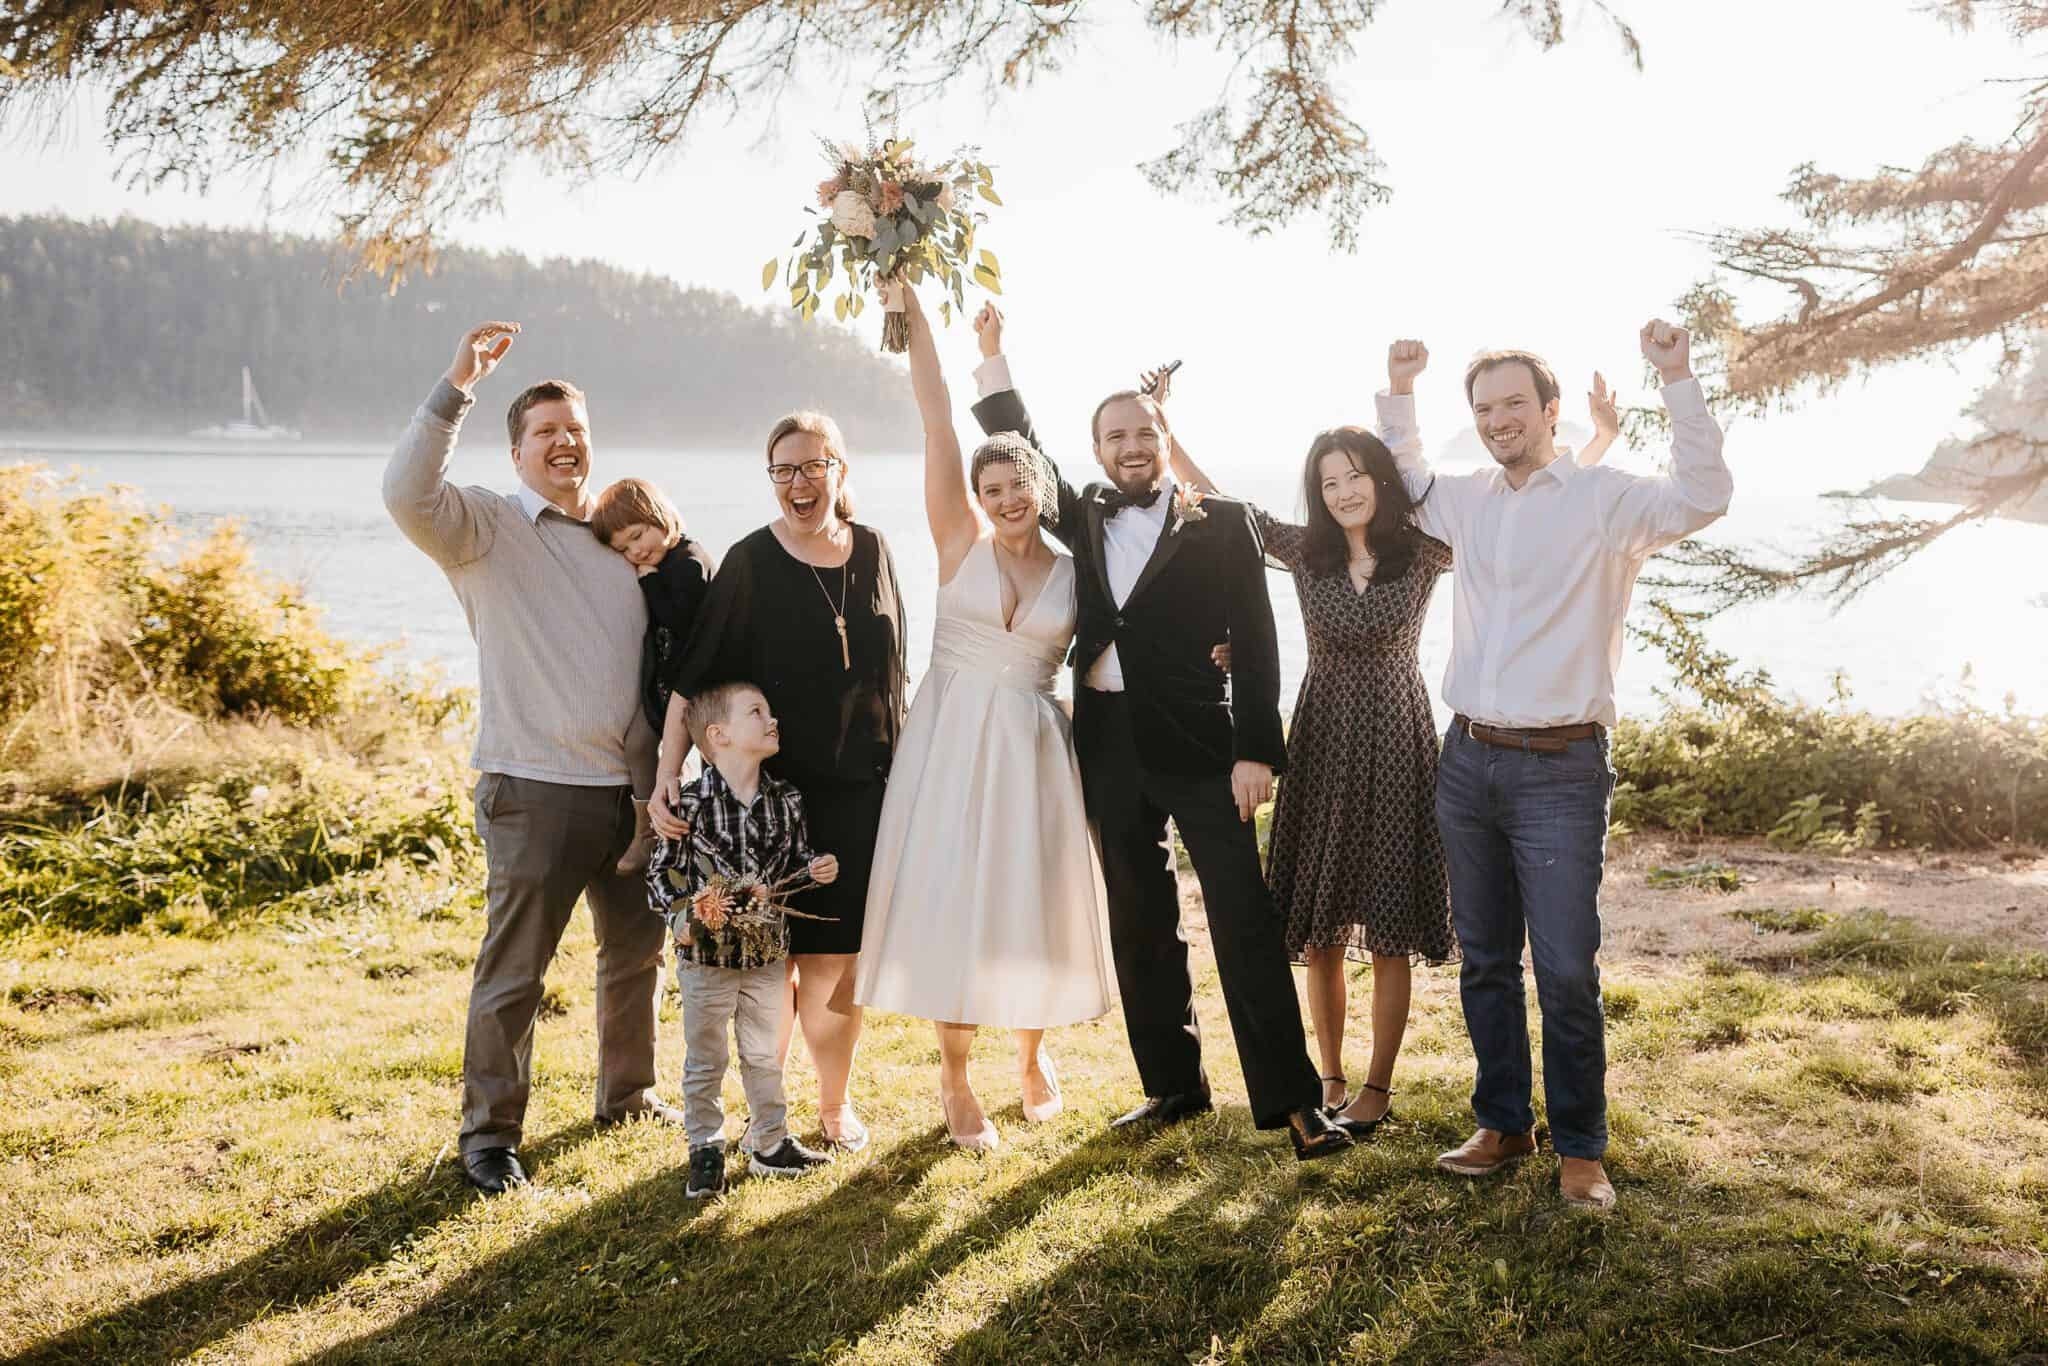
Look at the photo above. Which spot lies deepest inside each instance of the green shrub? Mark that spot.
(180, 744)
(221, 639)
(220, 851)
(1741, 761)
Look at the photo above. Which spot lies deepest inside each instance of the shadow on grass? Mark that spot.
(635, 1275)
(312, 1260)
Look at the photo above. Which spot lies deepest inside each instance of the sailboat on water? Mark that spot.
(255, 423)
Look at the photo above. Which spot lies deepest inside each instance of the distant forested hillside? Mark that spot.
(132, 327)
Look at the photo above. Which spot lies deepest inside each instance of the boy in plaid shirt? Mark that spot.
(719, 889)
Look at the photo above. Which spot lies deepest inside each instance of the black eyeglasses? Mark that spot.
(813, 470)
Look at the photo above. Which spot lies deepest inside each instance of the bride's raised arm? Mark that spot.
(948, 503)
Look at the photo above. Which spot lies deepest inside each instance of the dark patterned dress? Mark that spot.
(1356, 862)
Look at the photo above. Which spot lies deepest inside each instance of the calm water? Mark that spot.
(313, 514)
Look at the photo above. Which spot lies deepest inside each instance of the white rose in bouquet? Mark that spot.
(852, 215)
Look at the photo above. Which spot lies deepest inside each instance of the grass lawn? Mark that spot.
(238, 1147)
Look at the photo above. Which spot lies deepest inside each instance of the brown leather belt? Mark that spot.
(1539, 739)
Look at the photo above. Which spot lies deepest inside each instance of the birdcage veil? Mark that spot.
(1010, 448)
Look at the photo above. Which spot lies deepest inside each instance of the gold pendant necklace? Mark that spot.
(839, 611)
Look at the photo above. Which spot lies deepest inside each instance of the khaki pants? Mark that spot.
(750, 1002)
(545, 845)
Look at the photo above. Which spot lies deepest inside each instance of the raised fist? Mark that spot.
(479, 352)
(1668, 347)
(988, 330)
(1405, 360)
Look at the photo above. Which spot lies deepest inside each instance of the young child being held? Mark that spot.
(720, 889)
(636, 519)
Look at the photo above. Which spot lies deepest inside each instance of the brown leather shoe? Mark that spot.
(1486, 1152)
(1583, 1183)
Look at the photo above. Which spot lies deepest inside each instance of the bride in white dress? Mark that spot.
(986, 906)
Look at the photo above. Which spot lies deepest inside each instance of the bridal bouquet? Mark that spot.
(886, 216)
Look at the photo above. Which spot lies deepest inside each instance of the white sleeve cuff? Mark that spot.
(1396, 410)
(992, 376)
(1685, 398)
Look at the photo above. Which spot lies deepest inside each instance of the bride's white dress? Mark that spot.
(986, 904)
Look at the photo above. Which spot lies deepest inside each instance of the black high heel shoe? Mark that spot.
(1362, 1129)
(1339, 1079)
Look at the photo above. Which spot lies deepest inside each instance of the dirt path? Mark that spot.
(2001, 897)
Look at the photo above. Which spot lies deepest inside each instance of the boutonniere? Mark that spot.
(1187, 505)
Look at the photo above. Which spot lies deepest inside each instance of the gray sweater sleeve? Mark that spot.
(451, 524)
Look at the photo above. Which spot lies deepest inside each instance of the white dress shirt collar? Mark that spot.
(533, 505)
(1559, 469)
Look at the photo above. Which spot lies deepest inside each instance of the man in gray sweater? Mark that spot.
(561, 746)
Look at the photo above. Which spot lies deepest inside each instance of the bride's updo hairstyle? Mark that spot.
(1010, 448)
(826, 430)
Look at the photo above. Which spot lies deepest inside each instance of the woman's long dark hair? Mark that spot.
(1391, 533)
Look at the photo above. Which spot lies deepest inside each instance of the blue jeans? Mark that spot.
(1525, 835)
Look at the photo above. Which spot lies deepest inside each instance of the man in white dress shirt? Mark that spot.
(1547, 555)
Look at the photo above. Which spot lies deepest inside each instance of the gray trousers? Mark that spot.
(749, 1001)
(547, 844)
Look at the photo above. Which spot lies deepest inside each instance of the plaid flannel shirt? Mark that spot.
(767, 839)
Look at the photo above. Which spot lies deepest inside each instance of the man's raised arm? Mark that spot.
(1648, 514)
(433, 513)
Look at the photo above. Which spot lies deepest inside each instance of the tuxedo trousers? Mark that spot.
(1129, 805)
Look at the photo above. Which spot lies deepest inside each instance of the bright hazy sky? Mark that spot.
(1541, 200)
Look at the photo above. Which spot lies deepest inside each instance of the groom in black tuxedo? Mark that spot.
(1161, 577)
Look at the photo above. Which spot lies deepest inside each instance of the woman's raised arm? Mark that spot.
(948, 502)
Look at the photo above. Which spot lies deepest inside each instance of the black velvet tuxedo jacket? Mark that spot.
(1205, 584)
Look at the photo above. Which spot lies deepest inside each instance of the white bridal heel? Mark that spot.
(983, 1140)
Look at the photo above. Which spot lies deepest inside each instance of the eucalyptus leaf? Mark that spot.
(768, 274)
(986, 278)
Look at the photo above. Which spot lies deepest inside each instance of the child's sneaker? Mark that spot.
(787, 1158)
(707, 1172)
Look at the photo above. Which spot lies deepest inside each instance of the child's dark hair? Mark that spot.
(712, 706)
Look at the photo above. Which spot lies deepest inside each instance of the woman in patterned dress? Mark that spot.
(1356, 865)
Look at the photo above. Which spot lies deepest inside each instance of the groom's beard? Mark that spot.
(1131, 483)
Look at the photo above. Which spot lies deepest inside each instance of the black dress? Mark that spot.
(1356, 861)
(767, 620)
(674, 592)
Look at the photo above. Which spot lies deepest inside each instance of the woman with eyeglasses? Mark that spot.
(808, 610)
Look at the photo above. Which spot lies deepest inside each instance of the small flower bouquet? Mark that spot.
(739, 919)
(889, 217)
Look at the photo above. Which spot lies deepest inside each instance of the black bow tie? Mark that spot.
(1116, 500)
